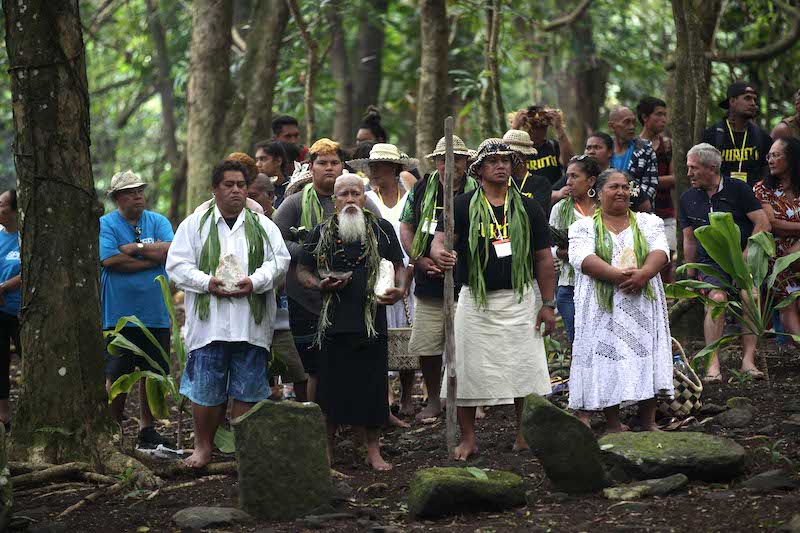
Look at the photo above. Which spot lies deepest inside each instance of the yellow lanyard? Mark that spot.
(494, 218)
(733, 142)
(378, 192)
(525, 179)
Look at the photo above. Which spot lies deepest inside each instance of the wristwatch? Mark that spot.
(139, 246)
(549, 303)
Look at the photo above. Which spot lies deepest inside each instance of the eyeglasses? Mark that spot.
(774, 155)
(137, 232)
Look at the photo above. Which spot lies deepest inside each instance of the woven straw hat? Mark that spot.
(384, 153)
(459, 148)
(490, 147)
(520, 141)
(125, 180)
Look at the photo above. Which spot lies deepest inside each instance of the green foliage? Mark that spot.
(477, 473)
(773, 452)
(742, 378)
(721, 240)
(224, 440)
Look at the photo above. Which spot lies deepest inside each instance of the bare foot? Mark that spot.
(617, 428)
(480, 413)
(465, 450)
(585, 417)
(520, 444)
(407, 409)
(377, 462)
(430, 411)
(396, 422)
(199, 459)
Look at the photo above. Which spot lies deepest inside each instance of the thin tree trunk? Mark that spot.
(62, 410)
(164, 81)
(250, 116)
(209, 83)
(368, 56)
(340, 68)
(432, 94)
(312, 55)
(488, 98)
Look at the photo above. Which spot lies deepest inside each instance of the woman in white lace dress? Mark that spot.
(622, 350)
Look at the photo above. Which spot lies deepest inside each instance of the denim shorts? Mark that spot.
(222, 369)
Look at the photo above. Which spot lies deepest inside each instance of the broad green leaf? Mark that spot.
(709, 270)
(760, 248)
(157, 398)
(277, 365)
(224, 441)
(124, 384)
(478, 473)
(673, 290)
(722, 240)
(178, 345)
(780, 265)
(121, 342)
(134, 320)
(787, 301)
(706, 355)
(718, 311)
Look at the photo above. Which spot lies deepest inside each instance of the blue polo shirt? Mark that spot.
(132, 293)
(734, 196)
(10, 267)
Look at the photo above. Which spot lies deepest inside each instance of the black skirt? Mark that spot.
(353, 384)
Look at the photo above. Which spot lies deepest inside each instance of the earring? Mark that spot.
(591, 193)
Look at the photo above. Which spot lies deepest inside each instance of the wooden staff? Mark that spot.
(449, 289)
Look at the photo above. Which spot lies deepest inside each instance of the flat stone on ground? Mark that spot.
(283, 465)
(447, 491)
(649, 455)
(791, 426)
(738, 417)
(771, 480)
(567, 448)
(739, 401)
(646, 488)
(712, 409)
(209, 517)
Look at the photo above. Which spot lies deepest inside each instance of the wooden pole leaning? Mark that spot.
(449, 290)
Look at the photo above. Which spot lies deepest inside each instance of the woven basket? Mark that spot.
(399, 356)
(688, 390)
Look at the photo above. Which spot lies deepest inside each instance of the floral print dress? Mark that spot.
(788, 209)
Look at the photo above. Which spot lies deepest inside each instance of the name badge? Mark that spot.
(429, 226)
(502, 247)
(739, 175)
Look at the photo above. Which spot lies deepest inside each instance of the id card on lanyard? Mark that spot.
(739, 175)
(502, 245)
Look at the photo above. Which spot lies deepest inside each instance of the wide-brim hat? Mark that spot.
(735, 89)
(125, 180)
(459, 148)
(299, 179)
(489, 147)
(384, 153)
(520, 141)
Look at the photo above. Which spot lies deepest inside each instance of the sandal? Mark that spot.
(756, 373)
(713, 378)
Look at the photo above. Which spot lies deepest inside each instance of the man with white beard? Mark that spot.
(341, 260)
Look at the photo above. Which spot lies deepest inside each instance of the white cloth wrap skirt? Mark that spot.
(500, 353)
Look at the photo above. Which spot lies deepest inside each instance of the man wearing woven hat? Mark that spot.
(528, 183)
(297, 215)
(344, 262)
(383, 166)
(133, 249)
(501, 239)
(421, 213)
(742, 143)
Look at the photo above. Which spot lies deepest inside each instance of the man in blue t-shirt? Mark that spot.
(133, 250)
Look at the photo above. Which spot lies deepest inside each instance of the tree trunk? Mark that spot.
(164, 82)
(62, 401)
(340, 69)
(209, 81)
(312, 55)
(490, 97)
(432, 94)
(695, 23)
(368, 56)
(250, 116)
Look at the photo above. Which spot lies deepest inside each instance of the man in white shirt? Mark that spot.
(229, 326)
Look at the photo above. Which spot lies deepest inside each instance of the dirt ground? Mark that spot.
(378, 498)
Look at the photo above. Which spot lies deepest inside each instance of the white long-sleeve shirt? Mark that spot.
(229, 319)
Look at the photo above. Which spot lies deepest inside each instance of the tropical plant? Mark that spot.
(773, 452)
(751, 278)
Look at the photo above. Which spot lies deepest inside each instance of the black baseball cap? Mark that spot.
(737, 89)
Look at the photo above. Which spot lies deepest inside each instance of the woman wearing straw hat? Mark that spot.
(417, 226)
(501, 238)
(383, 166)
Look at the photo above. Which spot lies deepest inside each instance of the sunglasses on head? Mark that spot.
(137, 232)
(578, 158)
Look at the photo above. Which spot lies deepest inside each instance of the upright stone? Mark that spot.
(6, 498)
(567, 448)
(282, 461)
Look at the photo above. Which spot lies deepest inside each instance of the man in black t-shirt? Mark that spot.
(418, 222)
(501, 238)
(741, 142)
(341, 259)
(551, 155)
(712, 193)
